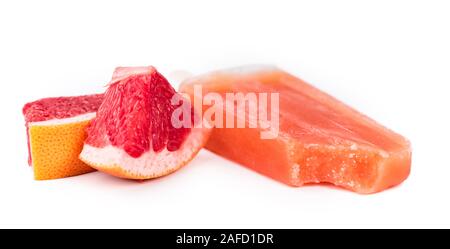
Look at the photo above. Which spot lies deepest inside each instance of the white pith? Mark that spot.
(60, 121)
(150, 164)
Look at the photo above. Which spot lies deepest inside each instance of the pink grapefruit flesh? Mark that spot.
(132, 135)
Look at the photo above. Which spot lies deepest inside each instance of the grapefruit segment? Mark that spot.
(56, 133)
(133, 135)
(320, 139)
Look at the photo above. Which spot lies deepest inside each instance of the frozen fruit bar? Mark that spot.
(56, 133)
(318, 139)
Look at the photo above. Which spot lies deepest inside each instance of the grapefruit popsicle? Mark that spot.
(56, 130)
(319, 139)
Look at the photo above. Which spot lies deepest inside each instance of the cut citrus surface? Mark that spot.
(320, 139)
(133, 135)
(56, 133)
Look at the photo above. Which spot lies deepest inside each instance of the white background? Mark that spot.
(389, 59)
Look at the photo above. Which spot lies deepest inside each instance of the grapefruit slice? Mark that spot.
(56, 133)
(132, 135)
(320, 139)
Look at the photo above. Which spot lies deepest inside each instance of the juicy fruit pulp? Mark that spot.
(136, 115)
(320, 139)
(132, 135)
(61, 107)
(56, 133)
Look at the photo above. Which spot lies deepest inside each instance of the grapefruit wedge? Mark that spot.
(133, 135)
(319, 139)
(56, 133)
